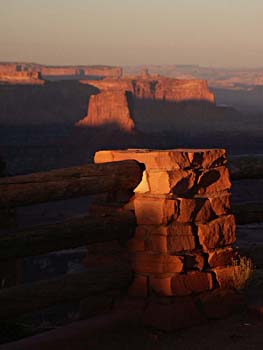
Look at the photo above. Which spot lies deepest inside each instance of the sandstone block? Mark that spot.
(147, 231)
(217, 233)
(178, 182)
(221, 204)
(180, 243)
(208, 158)
(221, 257)
(214, 180)
(172, 316)
(162, 286)
(167, 159)
(156, 244)
(139, 287)
(191, 283)
(156, 263)
(180, 237)
(194, 210)
(154, 211)
(176, 229)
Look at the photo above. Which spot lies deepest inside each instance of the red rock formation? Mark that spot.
(58, 71)
(149, 93)
(7, 68)
(183, 90)
(81, 71)
(110, 84)
(14, 77)
(159, 88)
(109, 108)
(62, 71)
(103, 71)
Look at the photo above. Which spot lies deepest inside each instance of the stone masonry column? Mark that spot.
(182, 256)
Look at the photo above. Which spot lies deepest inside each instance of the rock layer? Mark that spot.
(159, 88)
(75, 72)
(149, 95)
(11, 77)
(109, 108)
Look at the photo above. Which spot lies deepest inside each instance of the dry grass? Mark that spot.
(242, 272)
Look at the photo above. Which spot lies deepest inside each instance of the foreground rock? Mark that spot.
(185, 267)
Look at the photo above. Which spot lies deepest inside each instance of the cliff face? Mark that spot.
(159, 88)
(78, 72)
(109, 108)
(110, 84)
(183, 90)
(57, 71)
(156, 101)
(74, 72)
(7, 68)
(103, 71)
(13, 77)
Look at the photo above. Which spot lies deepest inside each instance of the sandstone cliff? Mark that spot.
(157, 101)
(109, 108)
(13, 77)
(73, 72)
(159, 88)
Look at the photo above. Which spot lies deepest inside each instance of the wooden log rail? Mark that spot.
(69, 183)
(68, 234)
(65, 184)
(72, 287)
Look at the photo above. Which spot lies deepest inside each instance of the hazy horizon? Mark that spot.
(223, 34)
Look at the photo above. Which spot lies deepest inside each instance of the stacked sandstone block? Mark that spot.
(182, 246)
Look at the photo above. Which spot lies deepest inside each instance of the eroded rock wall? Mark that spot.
(160, 88)
(62, 71)
(155, 100)
(14, 77)
(109, 108)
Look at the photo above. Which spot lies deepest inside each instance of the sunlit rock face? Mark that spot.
(155, 99)
(182, 246)
(109, 108)
(75, 72)
(159, 88)
(78, 71)
(13, 77)
(183, 90)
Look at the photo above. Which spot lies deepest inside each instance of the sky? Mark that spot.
(223, 33)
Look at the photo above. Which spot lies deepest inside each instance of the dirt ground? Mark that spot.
(240, 332)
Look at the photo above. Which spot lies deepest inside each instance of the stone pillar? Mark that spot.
(181, 254)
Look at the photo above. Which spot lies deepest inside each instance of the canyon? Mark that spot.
(64, 120)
